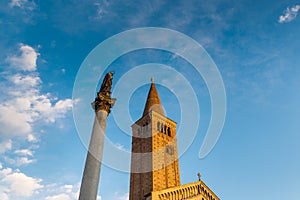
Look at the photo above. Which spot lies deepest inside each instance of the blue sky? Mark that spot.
(255, 45)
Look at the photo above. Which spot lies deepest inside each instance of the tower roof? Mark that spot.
(153, 101)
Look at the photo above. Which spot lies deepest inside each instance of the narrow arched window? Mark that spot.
(158, 126)
(169, 131)
(146, 126)
(139, 131)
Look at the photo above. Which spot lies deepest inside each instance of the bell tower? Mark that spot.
(154, 159)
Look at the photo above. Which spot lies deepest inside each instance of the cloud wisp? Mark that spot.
(5, 146)
(289, 14)
(23, 4)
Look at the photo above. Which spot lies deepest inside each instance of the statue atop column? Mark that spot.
(103, 101)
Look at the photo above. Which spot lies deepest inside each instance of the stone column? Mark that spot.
(91, 174)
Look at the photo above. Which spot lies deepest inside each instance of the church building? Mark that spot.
(155, 171)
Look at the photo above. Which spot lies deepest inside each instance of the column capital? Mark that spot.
(103, 102)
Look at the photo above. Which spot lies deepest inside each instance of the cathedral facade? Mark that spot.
(155, 171)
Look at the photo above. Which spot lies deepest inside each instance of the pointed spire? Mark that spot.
(153, 101)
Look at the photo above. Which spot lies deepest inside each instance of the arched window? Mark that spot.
(158, 126)
(146, 126)
(169, 131)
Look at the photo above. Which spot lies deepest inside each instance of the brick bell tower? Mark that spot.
(154, 159)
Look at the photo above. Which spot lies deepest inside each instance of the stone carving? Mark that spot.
(103, 101)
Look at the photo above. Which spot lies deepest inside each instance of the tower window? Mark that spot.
(170, 150)
(146, 126)
(158, 126)
(169, 131)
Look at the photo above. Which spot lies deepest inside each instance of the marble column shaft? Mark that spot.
(91, 175)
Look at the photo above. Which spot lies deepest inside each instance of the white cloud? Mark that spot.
(18, 186)
(289, 14)
(17, 3)
(26, 61)
(5, 146)
(68, 188)
(14, 123)
(3, 196)
(64, 192)
(101, 10)
(120, 147)
(31, 138)
(24, 161)
(124, 196)
(58, 197)
(14, 184)
(22, 155)
(24, 152)
(24, 105)
(19, 161)
(25, 80)
(4, 172)
(23, 4)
